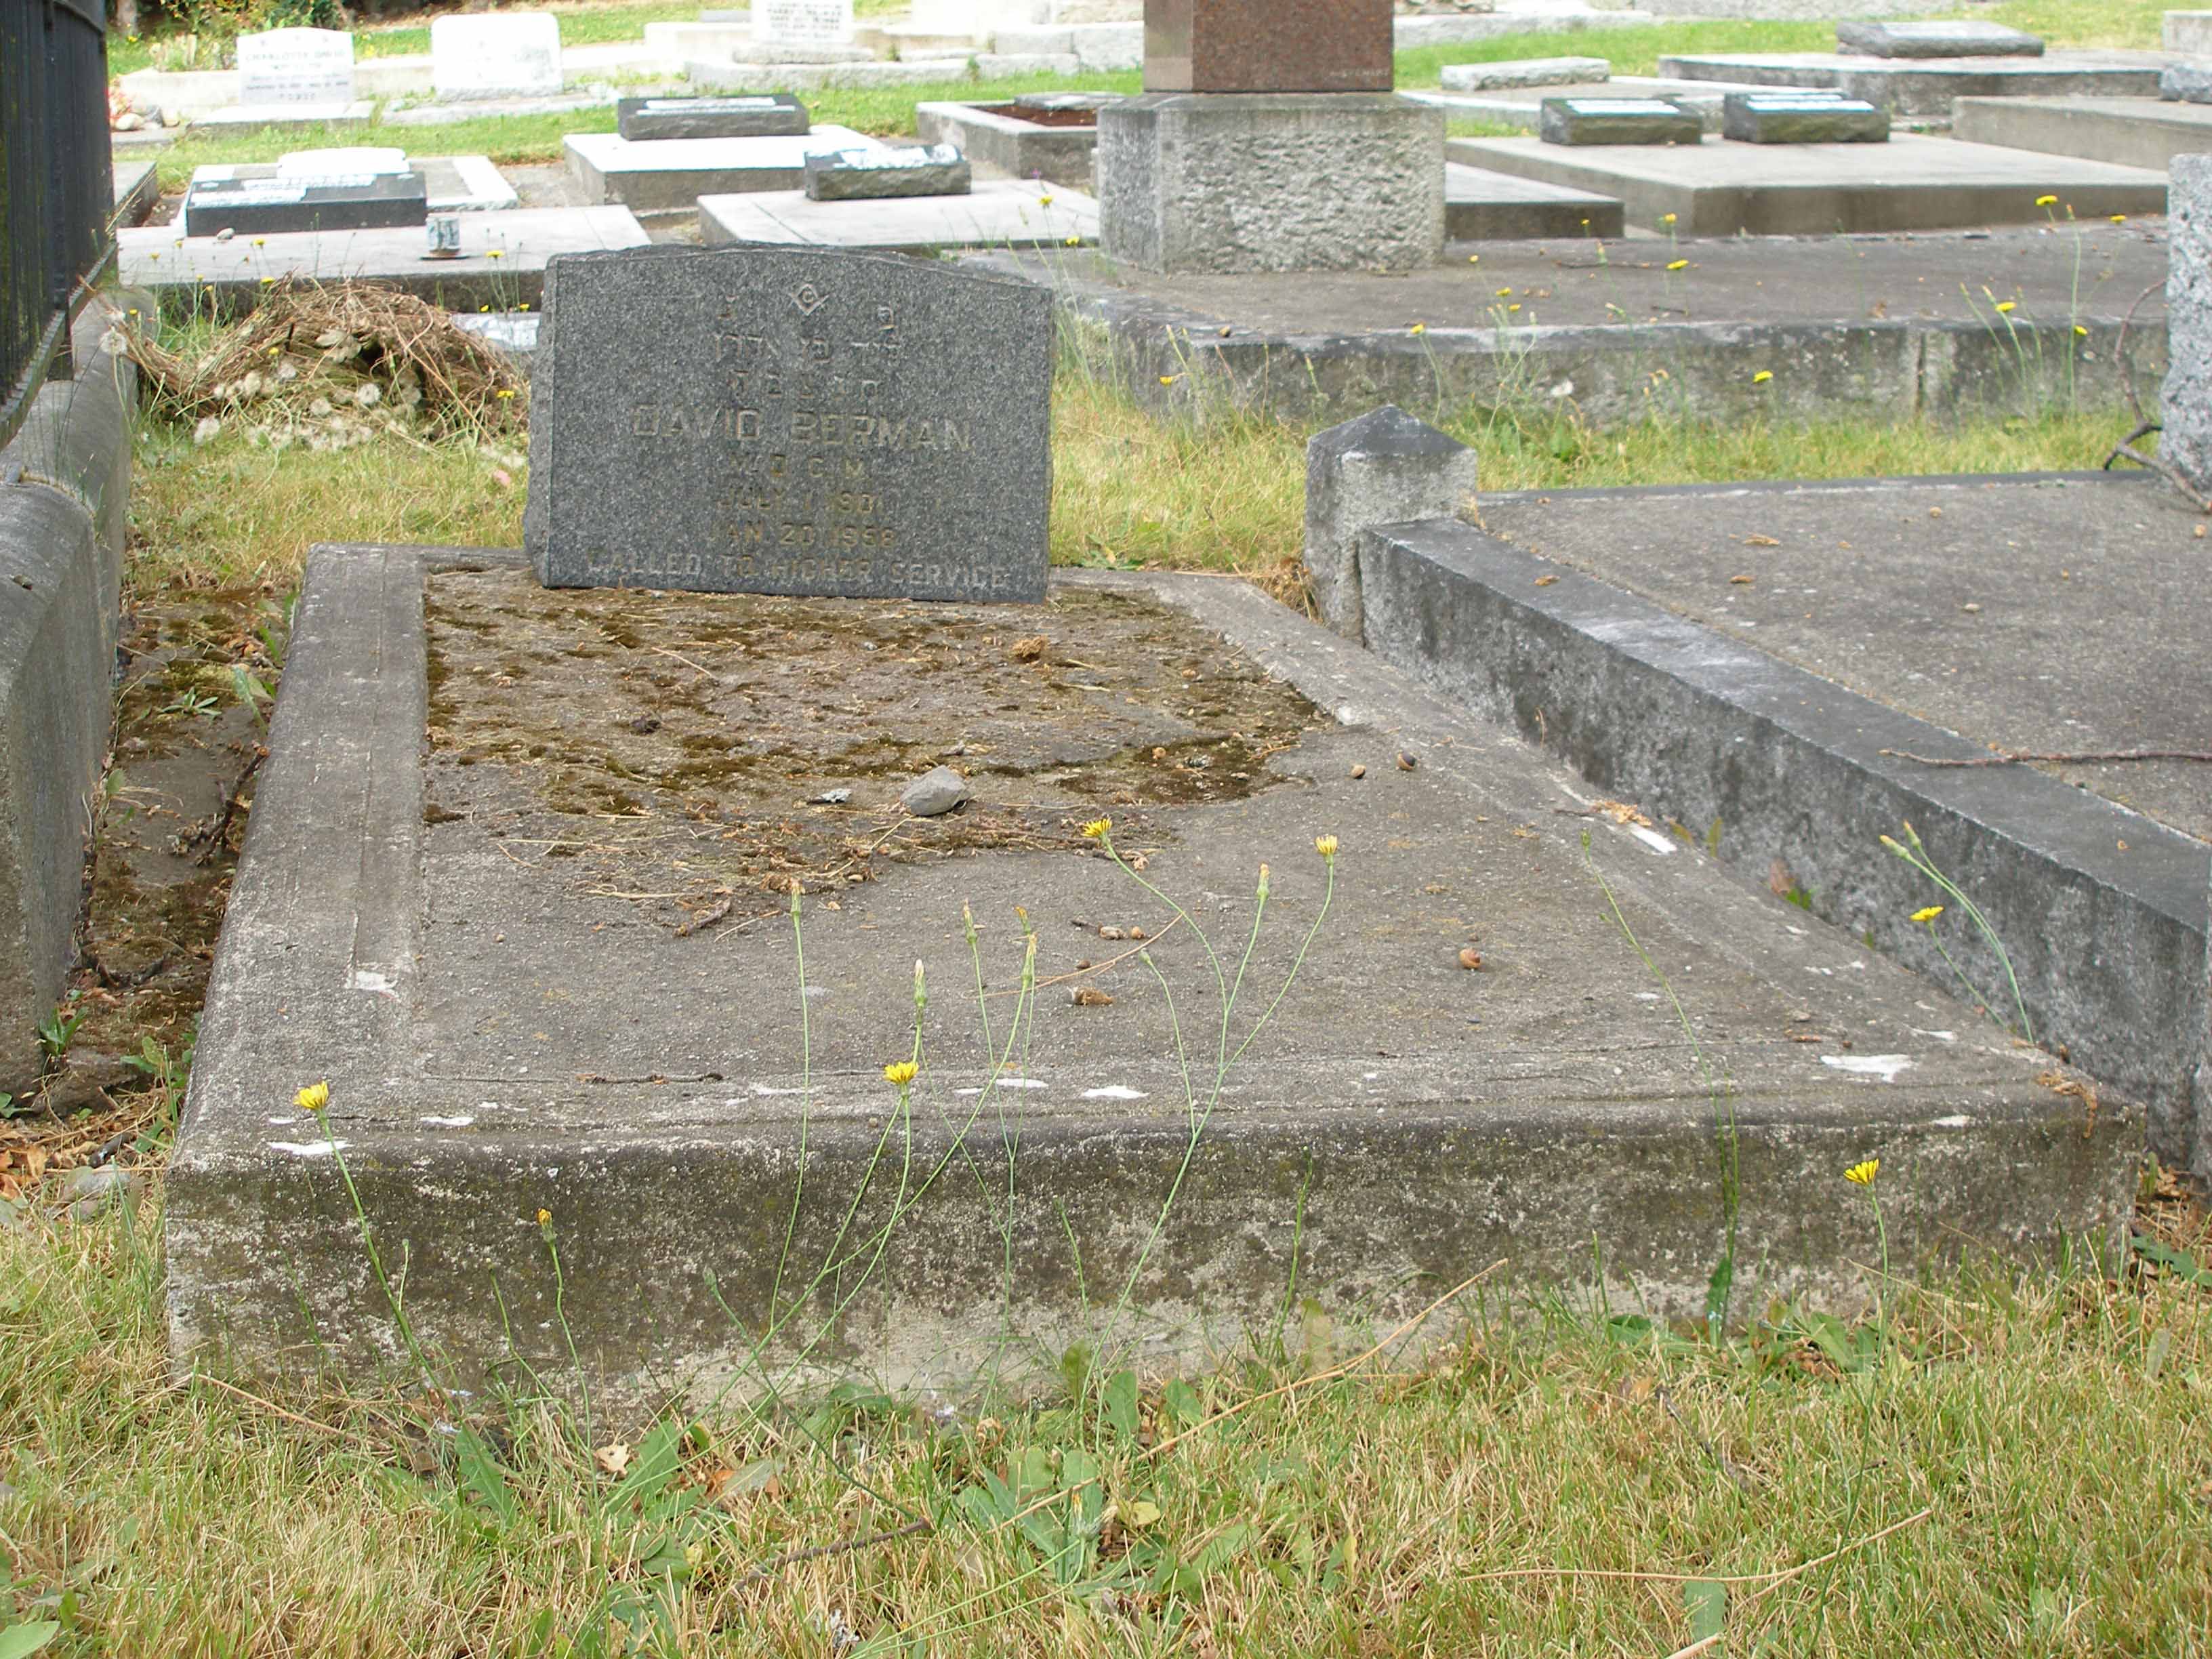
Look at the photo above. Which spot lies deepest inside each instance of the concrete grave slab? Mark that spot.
(750, 74)
(1523, 104)
(1007, 141)
(1484, 206)
(666, 175)
(764, 115)
(447, 115)
(450, 184)
(137, 188)
(260, 118)
(332, 202)
(1941, 38)
(2136, 132)
(505, 1033)
(502, 260)
(995, 213)
(1770, 657)
(1911, 183)
(1922, 88)
(1893, 327)
(1524, 72)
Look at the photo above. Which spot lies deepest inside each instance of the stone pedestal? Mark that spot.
(2186, 440)
(1272, 181)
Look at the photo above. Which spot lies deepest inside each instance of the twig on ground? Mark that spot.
(2127, 372)
(2073, 757)
(211, 842)
(184, 1383)
(792, 1557)
(1767, 1580)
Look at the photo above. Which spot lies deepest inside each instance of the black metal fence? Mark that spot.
(57, 185)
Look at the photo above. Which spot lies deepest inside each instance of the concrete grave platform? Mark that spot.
(1001, 138)
(1481, 205)
(1884, 326)
(2136, 132)
(474, 954)
(264, 118)
(1767, 658)
(1922, 89)
(1911, 183)
(996, 213)
(667, 175)
(1524, 72)
(501, 264)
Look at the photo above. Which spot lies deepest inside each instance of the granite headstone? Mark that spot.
(1789, 118)
(515, 54)
(1268, 45)
(360, 200)
(856, 175)
(295, 66)
(1944, 38)
(1617, 121)
(775, 419)
(768, 115)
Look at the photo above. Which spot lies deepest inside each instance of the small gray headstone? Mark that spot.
(364, 201)
(2185, 83)
(1385, 467)
(853, 175)
(1954, 38)
(1617, 121)
(1526, 72)
(766, 115)
(1784, 118)
(934, 794)
(788, 419)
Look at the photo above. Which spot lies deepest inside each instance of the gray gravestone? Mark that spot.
(1785, 118)
(2185, 83)
(2186, 442)
(856, 175)
(1617, 121)
(1952, 39)
(295, 66)
(768, 115)
(361, 201)
(1385, 467)
(790, 420)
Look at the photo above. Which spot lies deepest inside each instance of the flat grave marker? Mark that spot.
(353, 201)
(1525, 72)
(853, 175)
(506, 55)
(295, 66)
(996, 213)
(794, 420)
(1617, 121)
(768, 115)
(1950, 38)
(1801, 118)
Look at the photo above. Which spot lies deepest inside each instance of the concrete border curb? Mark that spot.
(1696, 728)
(64, 490)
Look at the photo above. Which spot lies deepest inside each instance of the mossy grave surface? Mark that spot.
(687, 751)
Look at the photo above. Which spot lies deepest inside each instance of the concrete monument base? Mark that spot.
(1272, 181)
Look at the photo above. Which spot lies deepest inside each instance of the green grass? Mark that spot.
(2023, 1467)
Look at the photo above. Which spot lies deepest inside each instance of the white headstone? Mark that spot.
(981, 19)
(515, 54)
(295, 66)
(802, 22)
(328, 163)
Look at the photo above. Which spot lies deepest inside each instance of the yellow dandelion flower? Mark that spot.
(1927, 915)
(2046, 201)
(544, 1217)
(1475, 258)
(267, 281)
(2081, 331)
(1679, 264)
(1075, 241)
(1326, 846)
(1762, 377)
(1419, 328)
(313, 1098)
(1097, 828)
(1504, 292)
(505, 391)
(1666, 218)
(2119, 218)
(901, 1073)
(1169, 379)
(1862, 1174)
(1513, 307)
(493, 253)
(2005, 307)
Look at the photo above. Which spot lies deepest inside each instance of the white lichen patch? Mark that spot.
(310, 1148)
(461, 1122)
(1113, 1091)
(1885, 1066)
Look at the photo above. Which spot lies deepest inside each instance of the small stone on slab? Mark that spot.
(2185, 83)
(1958, 38)
(764, 115)
(1617, 121)
(934, 794)
(851, 175)
(1785, 118)
(1525, 72)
